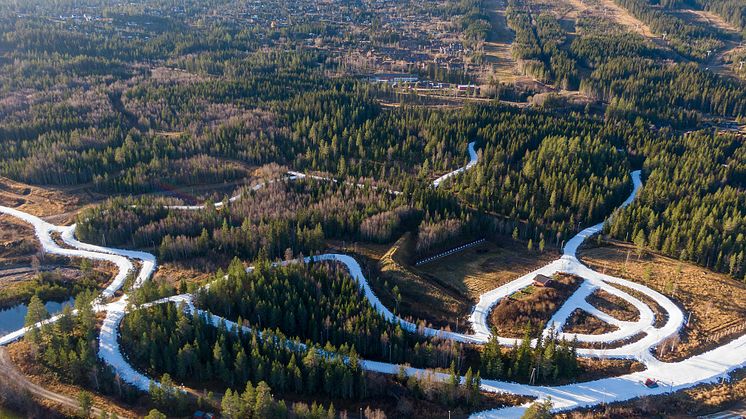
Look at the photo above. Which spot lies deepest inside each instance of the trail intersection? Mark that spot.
(704, 368)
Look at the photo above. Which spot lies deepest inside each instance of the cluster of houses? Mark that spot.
(412, 81)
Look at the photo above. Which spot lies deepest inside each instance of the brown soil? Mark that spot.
(37, 200)
(612, 345)
(661, 317)
(596, 369)
(199, 271)
(534, 305)
(614, 306)
(17, 242)
(583, 323)
(715, 301)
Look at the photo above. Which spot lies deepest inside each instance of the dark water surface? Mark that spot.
(11, 319)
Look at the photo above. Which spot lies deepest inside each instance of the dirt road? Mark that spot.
(9, 370)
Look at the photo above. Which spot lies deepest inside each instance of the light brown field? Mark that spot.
(37, 200)
(614, 306)
(487, 266)
(610, 10)
(443, 292)
(497, 47)
(715, 301)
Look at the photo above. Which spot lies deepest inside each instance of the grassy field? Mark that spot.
(487, 266)
(715, 301)
(443, 292)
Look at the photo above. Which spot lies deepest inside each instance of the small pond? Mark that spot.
(11, 319)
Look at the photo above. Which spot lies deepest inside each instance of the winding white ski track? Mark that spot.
(704, 368)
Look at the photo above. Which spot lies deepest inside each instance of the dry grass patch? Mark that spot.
(498, 47)
(487, 266)
(37, 200)
(422, 298)
(614, 306)
(442, 292)
(609, 9)
(198, 271)
(715, 301)
(661, 316)
(581, 322)
(596, 369)
(17, 242)
(532, 305)
(612, 345)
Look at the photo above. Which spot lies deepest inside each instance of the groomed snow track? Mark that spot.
(704, 368)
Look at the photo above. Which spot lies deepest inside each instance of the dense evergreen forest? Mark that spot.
(732, 11)
(170, 344)
(319, 303)
(190, 349)
(625, 70)
(689, 39)
(553, 359)
(693, 206)
(149, 104)
(67, 348)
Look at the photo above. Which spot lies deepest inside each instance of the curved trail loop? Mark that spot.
(708, 367)
(292, 175)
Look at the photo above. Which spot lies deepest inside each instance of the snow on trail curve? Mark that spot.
(473, 159)
(704, 368)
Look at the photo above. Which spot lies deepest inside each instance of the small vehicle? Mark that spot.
(650, 383)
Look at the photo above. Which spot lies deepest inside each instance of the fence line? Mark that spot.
(449, 252)
(727, 331)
